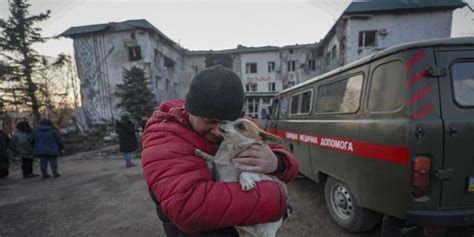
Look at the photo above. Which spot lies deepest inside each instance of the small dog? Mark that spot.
(238, 136)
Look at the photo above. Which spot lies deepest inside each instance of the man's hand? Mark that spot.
(256, 158)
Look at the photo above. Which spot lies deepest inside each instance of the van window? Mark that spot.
(306, 103)
(274, 109)
(284, 105)
(342, 96)
(387, 91)
(301, 103)
(295, 100)
(463, 81)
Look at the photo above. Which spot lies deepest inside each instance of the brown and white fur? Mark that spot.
(238, 136)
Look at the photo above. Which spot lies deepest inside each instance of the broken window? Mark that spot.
(156, 55)
(312, 64)
(333, 52)
(195, 69)
(251, 68)
(158, 82)
(367, 39)
(291, 66)
(169, 63)
(134, 53)
(271, 66)
(167, 85)
(251, 87)
(175, 89)
(271, 86)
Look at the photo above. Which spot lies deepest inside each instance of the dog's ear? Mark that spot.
(269, 138)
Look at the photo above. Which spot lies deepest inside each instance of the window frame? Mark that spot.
(360, 73)
(300, 103)
(167, 86)
(291, 65)
(451, 77)
(272, 85)
(312, 64)
(248, 68)
(364, 37)
(135, 53)
(369, 87)
(271, 66)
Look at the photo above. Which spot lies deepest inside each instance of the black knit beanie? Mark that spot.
(215, 93)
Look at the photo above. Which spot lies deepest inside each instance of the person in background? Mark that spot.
(22, 146)
(47, 146)
(127, 138)
(143, 122)
(4, 146)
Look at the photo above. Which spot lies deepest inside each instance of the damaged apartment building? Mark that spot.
(367, 27)
(264, 70)
(103, 50)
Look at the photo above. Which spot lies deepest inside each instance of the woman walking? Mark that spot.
(47, 146)
(22, 144)
(127, 138)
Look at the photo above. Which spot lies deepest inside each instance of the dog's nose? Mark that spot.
(224, 122)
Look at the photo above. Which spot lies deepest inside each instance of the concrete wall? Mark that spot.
(262, 77)
(192, 64)
(400, 28)
(302, 72)
(101, 59)
(463, 21)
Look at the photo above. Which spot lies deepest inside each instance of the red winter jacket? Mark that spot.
(183, 183)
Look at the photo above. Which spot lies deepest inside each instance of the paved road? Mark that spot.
(97, 196)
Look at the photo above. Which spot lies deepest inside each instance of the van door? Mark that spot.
(456, 80)
(272, 121)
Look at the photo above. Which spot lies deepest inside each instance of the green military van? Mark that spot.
(390, 135)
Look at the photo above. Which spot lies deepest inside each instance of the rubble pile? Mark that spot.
(93, 140)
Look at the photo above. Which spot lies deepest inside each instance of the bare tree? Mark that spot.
(18, 59)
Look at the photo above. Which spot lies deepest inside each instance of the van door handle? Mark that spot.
(452, 131)
(419, 133)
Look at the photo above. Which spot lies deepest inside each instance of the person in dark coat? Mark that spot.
(22, 146)
(47, 146)
(4, 146)
(127, 138)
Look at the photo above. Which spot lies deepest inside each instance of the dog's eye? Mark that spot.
(241, 127)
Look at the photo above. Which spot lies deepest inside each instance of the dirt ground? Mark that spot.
(98, 196)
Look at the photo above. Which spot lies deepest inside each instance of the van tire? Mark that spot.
(348, 214)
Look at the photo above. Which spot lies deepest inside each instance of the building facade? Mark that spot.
(103, 51)
(365, 28)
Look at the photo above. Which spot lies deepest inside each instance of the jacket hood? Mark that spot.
(173, 110)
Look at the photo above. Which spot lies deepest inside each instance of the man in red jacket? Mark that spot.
(189, 202)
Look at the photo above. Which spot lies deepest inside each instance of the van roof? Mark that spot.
(460, 41)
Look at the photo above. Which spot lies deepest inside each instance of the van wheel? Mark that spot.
(344, 209)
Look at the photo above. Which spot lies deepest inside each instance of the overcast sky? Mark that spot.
(197, 24)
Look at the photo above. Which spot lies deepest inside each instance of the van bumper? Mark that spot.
(441, 218)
